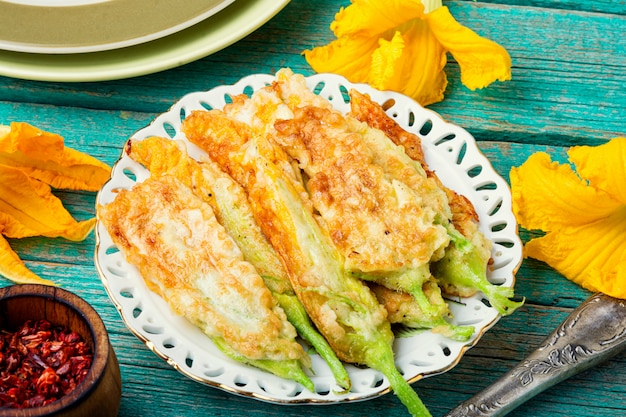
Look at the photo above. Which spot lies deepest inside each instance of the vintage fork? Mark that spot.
(591, 334)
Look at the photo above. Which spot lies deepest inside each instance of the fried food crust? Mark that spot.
(364, 109)
(369, 220)
(186, 257)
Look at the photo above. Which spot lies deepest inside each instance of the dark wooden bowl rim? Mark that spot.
(98, 333)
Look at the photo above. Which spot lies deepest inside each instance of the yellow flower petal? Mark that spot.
(31, 141)
(591, 255)
(585, 223)
(42, 155)
(12, 267)
(384, 59)
(550, 196)
(28, 208)
(604, 166)
(4, 130)
(371, 18)
(481, 60)
(347, 56)
(417, 62)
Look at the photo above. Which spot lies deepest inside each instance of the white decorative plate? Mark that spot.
(79, 26)
(449, 150)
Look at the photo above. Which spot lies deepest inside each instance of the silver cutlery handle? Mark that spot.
(591, 334)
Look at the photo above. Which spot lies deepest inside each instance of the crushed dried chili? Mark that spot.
(40, 363)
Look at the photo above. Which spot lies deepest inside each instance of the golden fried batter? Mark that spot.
(183, 253)
(372, 113)
(402, 308)
(379, 209)
(464, 216)
(375, 219)
(168, 157)
(222, 136)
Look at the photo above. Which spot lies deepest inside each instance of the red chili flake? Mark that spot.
(40, 363)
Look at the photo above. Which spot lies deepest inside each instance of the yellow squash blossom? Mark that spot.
(582, 212)
(401, 45)
(31, 162)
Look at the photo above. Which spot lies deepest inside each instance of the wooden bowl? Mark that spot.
(99, 394)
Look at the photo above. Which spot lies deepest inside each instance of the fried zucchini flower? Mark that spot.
(582, 212)
(402, 45)
(31, 162)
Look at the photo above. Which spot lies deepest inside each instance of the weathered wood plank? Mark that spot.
(567, 78)
(101, 134)
(600, 6)
(566, 88)
(504, 346)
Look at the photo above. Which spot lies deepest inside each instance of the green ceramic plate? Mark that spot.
(204, 38)
(75, 26)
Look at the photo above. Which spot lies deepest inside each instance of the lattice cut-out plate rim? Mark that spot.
(450, 151)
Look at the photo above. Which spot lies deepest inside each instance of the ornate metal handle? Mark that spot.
(593, 333)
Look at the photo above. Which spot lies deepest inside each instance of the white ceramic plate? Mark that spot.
(77, 26)
(204, 38)
(449, 150)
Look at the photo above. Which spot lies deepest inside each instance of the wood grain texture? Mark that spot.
(569, 74)
(100, 391)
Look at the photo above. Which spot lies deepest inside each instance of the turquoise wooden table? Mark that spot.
(568, 88)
